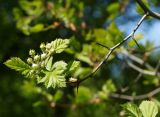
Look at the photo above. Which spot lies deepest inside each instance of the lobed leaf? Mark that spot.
(18, 65)
(148, 109)
(59, 45)
(56, 77)
(71, 67)
(132, 110)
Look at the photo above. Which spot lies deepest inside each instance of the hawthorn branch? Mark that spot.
(139, 97)
(153, 49)
(157, 67)
(137, 60)
(147, 10)
(140, 70)
(111, 50)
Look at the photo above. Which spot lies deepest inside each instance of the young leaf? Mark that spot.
(60, 65)
(49, 63)
(56, 77)
(132, 110)
(71, 67)
(37, 28)
(60, 45)
(148, 109)
(18, 65)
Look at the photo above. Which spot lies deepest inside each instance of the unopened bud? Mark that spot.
(32, 52)
(48, 46)
(72, 80)
(36, 58)
(43, 46)
(35, 66)
(29, 60)
(43, 56)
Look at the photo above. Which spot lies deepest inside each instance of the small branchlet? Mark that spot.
(41, 66)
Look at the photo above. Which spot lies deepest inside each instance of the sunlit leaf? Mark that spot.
(55, 77)
(132, 110)
(72, 66)
(149, 109)
(49, 63)
(137, 37)
(60, 45)
(18, 65)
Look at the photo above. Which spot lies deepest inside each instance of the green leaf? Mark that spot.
(37, 28)
(49, 63)
(56, 77)
(132, 110)
(157, 102)
(137, 38)
(60, 65)
(59, 45)
(148, 109)
(139, 9)
(114, 7)
(73, 66)
(18, 65)
(107, 88)
(113, 10)
(23, 25)
(83, 95)
(38, 103)
(58, 95)
(33, 8)
(84, 58)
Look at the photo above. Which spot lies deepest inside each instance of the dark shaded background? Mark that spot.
(14, 102)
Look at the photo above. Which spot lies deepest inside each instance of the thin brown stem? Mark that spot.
(145, 72)
(139, 97)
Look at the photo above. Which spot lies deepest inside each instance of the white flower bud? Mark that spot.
(72, 80)
(36, 58)
(29, 60)
(43, 46)
(43, 56)
(32, 52)
(48, 46)
(35, 66)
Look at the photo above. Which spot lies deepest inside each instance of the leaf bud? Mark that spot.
(32, 52)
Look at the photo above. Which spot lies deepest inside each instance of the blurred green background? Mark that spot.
(25, 24)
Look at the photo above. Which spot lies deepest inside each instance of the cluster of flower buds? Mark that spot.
(34, 60)
(38, 61)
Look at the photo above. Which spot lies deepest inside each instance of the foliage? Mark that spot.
(79, 33)
(42, 68)
(146, 109)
